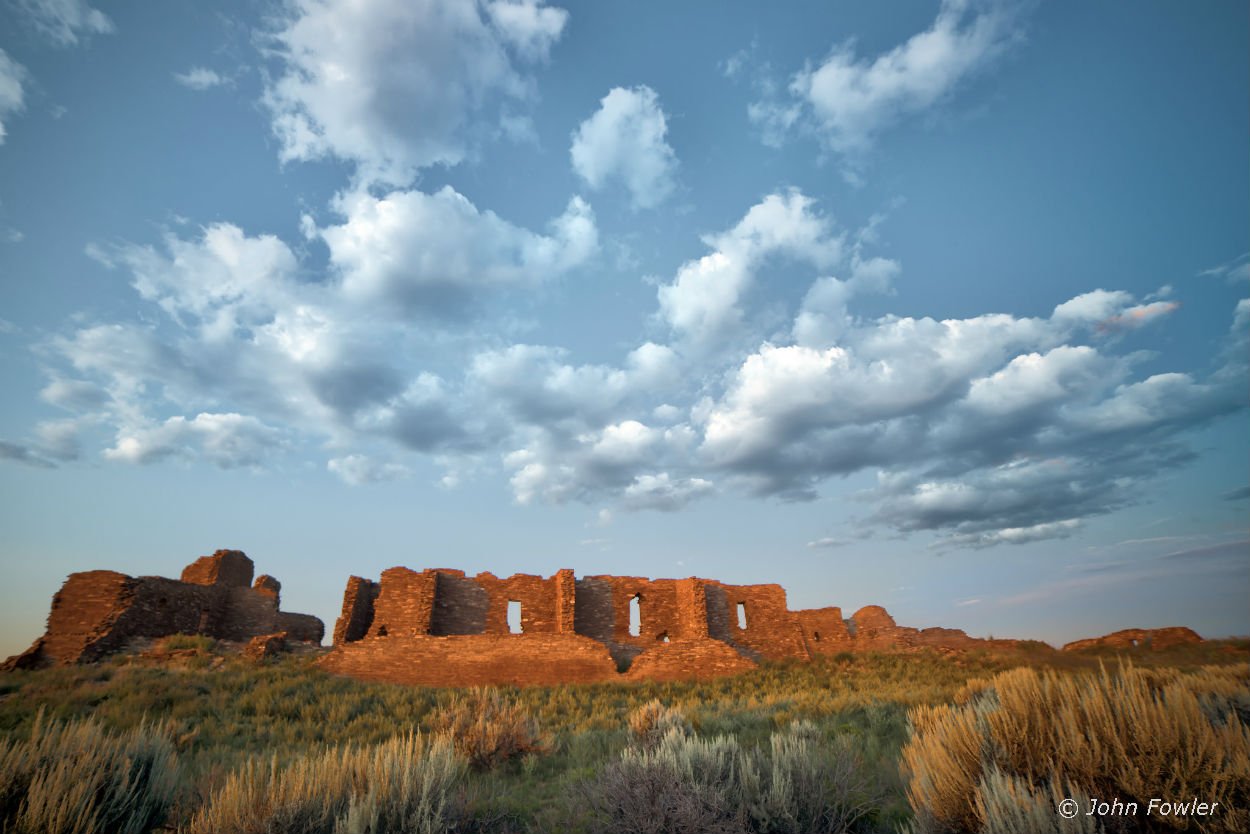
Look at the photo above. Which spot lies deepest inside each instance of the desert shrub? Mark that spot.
(997, 760)
(76, 778)
(1012, 805)
(404, 784)
(808, 786)
(651, 722)
(800, 785)
(487, 730)
(684, 784)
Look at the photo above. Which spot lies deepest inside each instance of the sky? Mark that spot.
(941, 306)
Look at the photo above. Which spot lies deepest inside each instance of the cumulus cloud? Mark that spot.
(229, 441)
(358, 470)
(986, 430)
(434, 252)
(539, 388)
(624, 140)
(65, 21)
(848, 99)
(989, 430)
(556, 467)
(703, 301)
(200, 78)
(12, 96)
(660, 492)
(391, 86)
(221, 282)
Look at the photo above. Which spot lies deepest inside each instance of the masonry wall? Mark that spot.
(99, 612)
(824, 630)
(357, 615)
(464, 660)
(772, 630)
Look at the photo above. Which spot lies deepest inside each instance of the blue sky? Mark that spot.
(941, 307)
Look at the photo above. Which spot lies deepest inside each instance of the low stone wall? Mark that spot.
(693, 658)
(1148, 638)
(466, 660)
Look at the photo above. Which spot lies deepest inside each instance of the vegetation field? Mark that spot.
(194, 738)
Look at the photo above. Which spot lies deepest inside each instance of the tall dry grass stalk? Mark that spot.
(404, 784)
(1132, 734)
(76, 778)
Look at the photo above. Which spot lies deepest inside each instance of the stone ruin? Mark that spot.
(1131, 638)
(99, 612)
(439, 627)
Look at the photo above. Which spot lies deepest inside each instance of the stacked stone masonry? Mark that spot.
(99, 612)
(439, 627)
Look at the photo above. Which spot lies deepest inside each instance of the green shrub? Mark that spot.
(801, 785)
(997, 761)
(810, 787)
(489, 731)
(76, 778)
(404, 784)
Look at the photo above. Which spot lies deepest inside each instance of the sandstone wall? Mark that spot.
(98, 612)
(772, 630)
(824, 631)
(1147, 638)
(357, 615)
(463, 660)
(691, 658)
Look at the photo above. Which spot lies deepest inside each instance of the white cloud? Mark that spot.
(12, 96)
(227, 440)
(392, 85)
(827, 542)
(436, 251)
(1014, 535)
(64, 21)
(539, 388)
(702, 302)
(223, 281)
(1235, 271)
(200, 78)
(530, 27)
(357, 470)
(660, 492)
(848, 99)
(624, 140)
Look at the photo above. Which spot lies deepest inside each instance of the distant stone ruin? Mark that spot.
(1132, 638)
(439, 627)
(98, 612)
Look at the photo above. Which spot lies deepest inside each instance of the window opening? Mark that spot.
(635, 615)
(742, 616)
(514, 617)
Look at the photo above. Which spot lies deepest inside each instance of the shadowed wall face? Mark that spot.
(98, 612)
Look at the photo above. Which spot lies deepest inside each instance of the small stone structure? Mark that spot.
(440, 627)
(1146, 638)
(98, 612)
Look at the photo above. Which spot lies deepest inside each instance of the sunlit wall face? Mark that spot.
(940, 308)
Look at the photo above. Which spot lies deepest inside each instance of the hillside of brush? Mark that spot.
(235, 733)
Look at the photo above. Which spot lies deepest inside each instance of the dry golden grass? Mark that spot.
(1131, 734)
(76, 778)
(404, 784)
